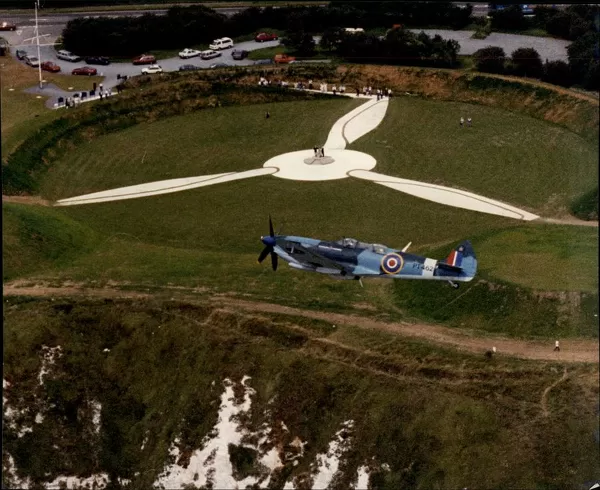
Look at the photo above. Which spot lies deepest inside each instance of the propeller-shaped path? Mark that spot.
(336, 162)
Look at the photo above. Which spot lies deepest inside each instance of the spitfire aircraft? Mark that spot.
(350, 259)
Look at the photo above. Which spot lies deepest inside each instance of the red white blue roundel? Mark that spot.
(392, 263)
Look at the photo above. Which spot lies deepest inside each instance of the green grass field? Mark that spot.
(210, 236)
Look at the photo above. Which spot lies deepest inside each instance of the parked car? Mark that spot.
(223, 43)
(51, 67)
(189, 53)
(283, 58)
(84, 70)
(264, 36)
(152, 69)
(188, 67)
(209, 54)
(32, 61)
(144, 59)
(67, 56)
(20, 54)
(267, 61)
(7, 26)
(97, 60)
(219, 65)
(239, 54)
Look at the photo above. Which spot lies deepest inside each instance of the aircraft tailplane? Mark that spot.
(463, 257)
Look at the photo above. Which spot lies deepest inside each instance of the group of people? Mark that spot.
(380, 93)
(324, 87)
(462, 121)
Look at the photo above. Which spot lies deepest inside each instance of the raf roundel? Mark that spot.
(392, 263)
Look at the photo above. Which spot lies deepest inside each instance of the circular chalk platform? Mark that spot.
(302, 165)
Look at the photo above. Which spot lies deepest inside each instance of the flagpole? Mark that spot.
(37, 38)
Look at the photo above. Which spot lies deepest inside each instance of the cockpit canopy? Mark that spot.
(349, 242)
(379, 249)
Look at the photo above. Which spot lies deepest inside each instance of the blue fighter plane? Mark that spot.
(350, 259)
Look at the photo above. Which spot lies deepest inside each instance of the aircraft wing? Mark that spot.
(318, 259)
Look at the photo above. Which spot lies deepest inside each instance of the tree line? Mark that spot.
(192, 25)
(579, 23)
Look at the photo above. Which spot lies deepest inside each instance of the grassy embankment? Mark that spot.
(438, 418)
(23, 113)
(177, 239)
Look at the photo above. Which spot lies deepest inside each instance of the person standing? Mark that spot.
(334, 89)
(267, 115)
(556, 346)
(469, 121)
(316, 149)
(357, 91)
(310, 85)
(462, 121)
(389, 93)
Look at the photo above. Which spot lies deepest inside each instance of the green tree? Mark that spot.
(526, 62)
(510, 19)
(490, 59)
(558, 73)
(583, 60)
(331, 38)
(300, 42)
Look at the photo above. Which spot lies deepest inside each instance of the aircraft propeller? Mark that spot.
(269, 242)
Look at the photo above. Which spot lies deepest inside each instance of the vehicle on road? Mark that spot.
(266, 61)
(84, 70)
(239, 54)
(188, 68)
(7, 26)
(20, 54)
(144, 59)
(209, 54)
(67, 56)
(51, 67)
(189, 53)
(32, 61)
(152, 69)
(97, 60)
(223, 43)
(283, 58)
(219, 65)
(261, 37)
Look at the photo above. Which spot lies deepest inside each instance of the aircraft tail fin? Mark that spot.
(463, 258)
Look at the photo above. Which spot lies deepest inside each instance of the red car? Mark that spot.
(283, 58)
(263, 36)
(144, 59)
(84, 70)
(51, 67)
(7, 26)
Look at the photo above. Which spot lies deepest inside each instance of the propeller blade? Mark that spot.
(274, 260)
(271, 227)
(264, 254)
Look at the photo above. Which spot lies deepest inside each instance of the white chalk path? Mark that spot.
(162, 187)
(340, 164)
(358, 122)
(446, 195)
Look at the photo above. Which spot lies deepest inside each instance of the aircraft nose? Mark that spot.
(268, 240)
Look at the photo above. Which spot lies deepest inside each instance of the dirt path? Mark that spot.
(575, 350)
(544, 401)
(569, 221)
(26, 200)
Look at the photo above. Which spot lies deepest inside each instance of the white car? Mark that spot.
(189, 53)
(32, 61)
(152, 69)
(67, 56)
(209, 54)
(223, 43)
